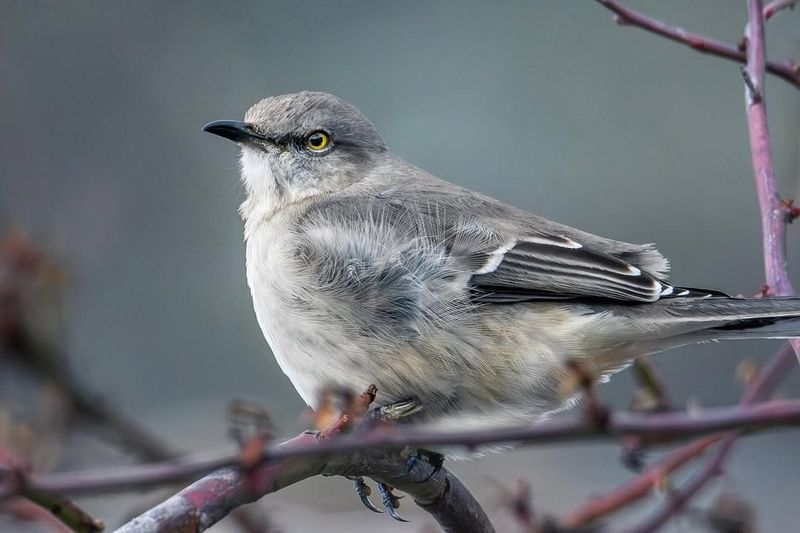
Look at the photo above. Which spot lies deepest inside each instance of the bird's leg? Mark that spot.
(387, 413)
(402, 409)
(395, 411)
(391, 502)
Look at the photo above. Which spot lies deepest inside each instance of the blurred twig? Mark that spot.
(774, 220)
(642, 485)
(787, 69)
(777, 5)
(666, 426)
(776, 213)
(23, 268)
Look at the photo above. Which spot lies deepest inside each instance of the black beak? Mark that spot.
(234, 130)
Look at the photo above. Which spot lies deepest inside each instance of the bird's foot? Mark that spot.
(363, 491)
(391, 501)
(395, 411)
(415, 458)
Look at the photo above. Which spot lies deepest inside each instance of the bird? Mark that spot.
(366, 269)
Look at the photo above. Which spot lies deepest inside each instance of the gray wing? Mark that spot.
(501, 254)
(557, 267)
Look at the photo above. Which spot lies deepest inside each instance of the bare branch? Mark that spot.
(25, 510)
(776, 213)
(774, 216)
(638, 487)
(774, 219)
(663, 427)
(642, 485)
(776, 5)
(765, 381)
(787, 70)
(211, 498)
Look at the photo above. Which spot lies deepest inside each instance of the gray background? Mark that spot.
(547, 105)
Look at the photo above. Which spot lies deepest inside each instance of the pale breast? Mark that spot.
(311, 347)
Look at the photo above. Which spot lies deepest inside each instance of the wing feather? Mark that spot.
(501, 255)
(557, 268)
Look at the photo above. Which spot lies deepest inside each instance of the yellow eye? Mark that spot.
(318, 141)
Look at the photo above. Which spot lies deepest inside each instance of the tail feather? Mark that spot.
(627, 331)
(694, 320)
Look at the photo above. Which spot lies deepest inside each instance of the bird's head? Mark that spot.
(298, 145)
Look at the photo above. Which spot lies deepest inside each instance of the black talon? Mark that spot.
(363, 491)
(390, 501)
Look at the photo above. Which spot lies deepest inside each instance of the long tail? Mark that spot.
(624, 332)
(682, 321)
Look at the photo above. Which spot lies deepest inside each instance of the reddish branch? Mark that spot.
(210, 499)
(787, 70)
(25, 510)
(643, 485)
(663, 427)
(637, 488)
(775, 215)
(758, 389)
(774, 211)
(774, 220)
(25, 269)
(776, 5)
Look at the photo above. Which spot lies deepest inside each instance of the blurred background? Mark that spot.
(547, 105)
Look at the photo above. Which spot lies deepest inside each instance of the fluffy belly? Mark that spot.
(488, 374)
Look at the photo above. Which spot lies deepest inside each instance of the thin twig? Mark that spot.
(25, 510)
(665, 427)
(642, 485)
(636, 488)
(23, 267)
(774, 221)
(787, 70)
(776, 5)
(376, 451)
(765, 381)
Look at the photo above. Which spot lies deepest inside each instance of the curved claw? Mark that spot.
(363, 491)
(390, 502)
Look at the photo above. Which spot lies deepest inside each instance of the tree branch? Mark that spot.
(642, 485)
(774, 216)
(24, 269)
(636, 488)
(660, 427)
(26, 511)
(764, 382)
(375, 454)
(208, 500)
(776, 5)
(774, 219)
(787, 70)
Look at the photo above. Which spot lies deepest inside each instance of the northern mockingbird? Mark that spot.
(366, 269)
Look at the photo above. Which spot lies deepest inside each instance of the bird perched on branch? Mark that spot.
(366, 269)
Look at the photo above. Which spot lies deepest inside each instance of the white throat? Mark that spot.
(264, 195)
(268, 190)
